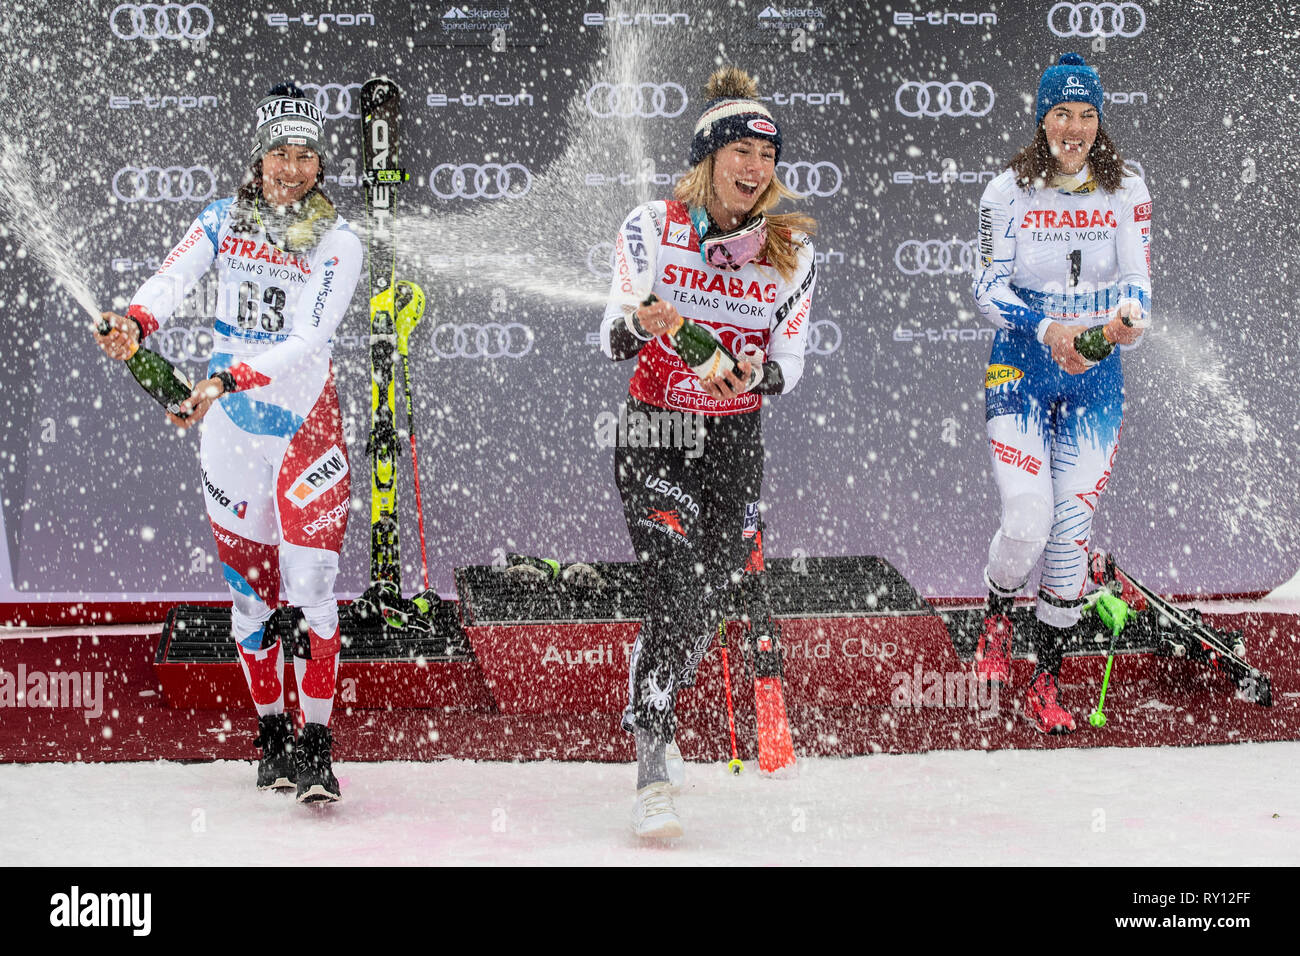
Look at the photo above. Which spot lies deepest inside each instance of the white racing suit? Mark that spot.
(275, 467)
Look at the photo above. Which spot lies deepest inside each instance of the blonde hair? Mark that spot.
(696, 189)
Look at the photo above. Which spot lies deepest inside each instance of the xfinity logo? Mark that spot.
(75, 908)
(151, 102)
(322, 21)
(937, 19)
(636, 19)
(478, 99)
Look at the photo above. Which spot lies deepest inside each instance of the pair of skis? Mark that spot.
(1182, 633)
(396, 307)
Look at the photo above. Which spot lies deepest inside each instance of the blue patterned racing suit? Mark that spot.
(1072, 255)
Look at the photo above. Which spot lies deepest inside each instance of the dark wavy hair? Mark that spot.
(250, 193)
(1035, 165)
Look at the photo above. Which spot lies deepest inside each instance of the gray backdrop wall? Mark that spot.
(529, 132)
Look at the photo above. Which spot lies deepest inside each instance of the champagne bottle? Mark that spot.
(1093, 345)
(706, 356)
(165, 383)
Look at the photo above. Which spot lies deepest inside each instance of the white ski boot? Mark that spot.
(653, 816)
(676, 766)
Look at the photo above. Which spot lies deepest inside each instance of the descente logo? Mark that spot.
(74, 909)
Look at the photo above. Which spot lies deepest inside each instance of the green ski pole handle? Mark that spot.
(1113, 613)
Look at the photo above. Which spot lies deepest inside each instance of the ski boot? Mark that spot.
(316, 780)
(676, 766)
(1047, 713)
(275, 769)
(653, 816)
(993, 655)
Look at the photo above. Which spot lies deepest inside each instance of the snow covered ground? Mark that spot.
(1237, 805)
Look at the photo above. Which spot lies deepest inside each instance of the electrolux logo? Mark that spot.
(321, 21)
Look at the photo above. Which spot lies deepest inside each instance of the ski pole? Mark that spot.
(735, 766)
(1113, 613)
(409, 313)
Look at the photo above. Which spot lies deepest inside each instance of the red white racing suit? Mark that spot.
(275, 467)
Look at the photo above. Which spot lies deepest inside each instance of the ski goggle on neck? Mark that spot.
(730, 250)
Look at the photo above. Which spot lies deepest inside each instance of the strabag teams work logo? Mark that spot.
(318, 477)
(75, 908)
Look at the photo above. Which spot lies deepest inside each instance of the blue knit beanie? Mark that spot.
(729, 119)
(1072, 80)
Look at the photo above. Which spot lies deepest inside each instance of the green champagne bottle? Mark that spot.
(706, 356)
(164, 382)
(1093, 344)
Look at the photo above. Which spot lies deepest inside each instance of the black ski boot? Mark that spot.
(276, 770)
(316, 780)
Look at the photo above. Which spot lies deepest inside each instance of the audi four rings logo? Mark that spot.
(644, 100)
(1096, 19)
(944, 99)
(812, 179)
(490, 340)
(335, 100)
(161, 21)
(935, 257)
(824, 337)
(177, 344)
(488, 181)
(155, 183)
